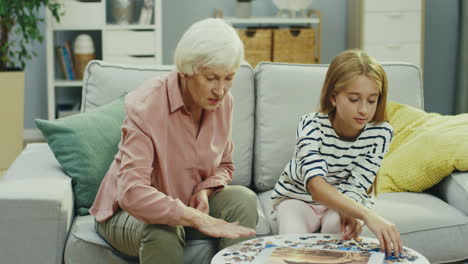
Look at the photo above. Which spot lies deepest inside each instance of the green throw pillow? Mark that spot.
(85, 145)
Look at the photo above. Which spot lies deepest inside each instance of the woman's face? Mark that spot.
(207, 88)
(355, 106)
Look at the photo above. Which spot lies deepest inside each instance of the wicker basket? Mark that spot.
(257, 44)
(294, 45)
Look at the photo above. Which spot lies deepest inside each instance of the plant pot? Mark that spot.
(11, 116)
(243, 9)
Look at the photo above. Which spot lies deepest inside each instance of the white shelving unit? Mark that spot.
(117, 43)
(272, 21)
(388, 30)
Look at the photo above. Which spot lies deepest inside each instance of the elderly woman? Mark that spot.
(168, 181)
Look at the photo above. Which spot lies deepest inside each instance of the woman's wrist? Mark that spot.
(191, 218)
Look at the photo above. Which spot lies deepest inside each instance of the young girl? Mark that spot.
(339, 149)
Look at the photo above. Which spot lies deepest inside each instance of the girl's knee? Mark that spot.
(331, 223)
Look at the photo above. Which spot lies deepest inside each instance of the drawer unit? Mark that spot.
(392, 26)
(388, 30)
(393, 5)
(129, 42)
(131, 60)
(408, 52)
(80, 15)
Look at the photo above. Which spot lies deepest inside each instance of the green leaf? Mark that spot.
(21, 19)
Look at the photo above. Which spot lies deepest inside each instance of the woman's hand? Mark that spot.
(213, 227)
(199, 201)
(350, 227)
(386, 232)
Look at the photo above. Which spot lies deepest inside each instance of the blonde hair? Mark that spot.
(344, 69)
(209, 43)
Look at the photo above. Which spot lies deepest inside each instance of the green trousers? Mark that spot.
(165, 244)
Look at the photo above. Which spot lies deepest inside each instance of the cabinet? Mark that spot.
(274, 38)
(122, 31)
(388, 30)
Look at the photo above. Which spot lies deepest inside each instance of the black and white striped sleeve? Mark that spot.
(309, 161)
(365, 171)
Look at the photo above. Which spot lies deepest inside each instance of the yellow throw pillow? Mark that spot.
(426, 147)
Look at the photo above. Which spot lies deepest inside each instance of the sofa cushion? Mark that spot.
(85, 145)
(426, 147)
(426, 223)
(104, 82)
(285, 92)
(454, 190)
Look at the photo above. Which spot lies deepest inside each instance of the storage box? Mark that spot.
(257, 44)
(294, 45)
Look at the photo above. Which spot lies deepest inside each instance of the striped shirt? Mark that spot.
(349, 166)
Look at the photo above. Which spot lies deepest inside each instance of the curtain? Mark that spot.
(461, 92)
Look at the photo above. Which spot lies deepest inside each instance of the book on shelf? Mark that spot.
(61, 61)
(72, 61)
(294, 255)
(65, 58)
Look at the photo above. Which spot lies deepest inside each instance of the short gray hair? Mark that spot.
(209, 43)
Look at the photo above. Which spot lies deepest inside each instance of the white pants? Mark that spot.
(296, 216)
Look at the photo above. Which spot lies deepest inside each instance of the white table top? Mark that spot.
(250, 251)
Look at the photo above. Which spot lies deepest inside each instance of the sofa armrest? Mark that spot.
(36, 207)
(454, 190)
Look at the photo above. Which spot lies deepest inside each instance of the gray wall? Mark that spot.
(35, 86)
(440, 45)
(440, 54)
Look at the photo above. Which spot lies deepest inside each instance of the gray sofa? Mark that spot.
(38, 223)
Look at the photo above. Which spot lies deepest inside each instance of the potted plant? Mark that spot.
(19, 21)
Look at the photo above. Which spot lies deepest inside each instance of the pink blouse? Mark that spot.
(161, 161)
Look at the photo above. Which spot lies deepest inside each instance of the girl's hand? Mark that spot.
(387, 233)
(350, 227)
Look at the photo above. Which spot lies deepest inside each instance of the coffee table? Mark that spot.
(254, 250)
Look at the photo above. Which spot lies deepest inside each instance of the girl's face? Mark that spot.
(207, 88)
(355, 106)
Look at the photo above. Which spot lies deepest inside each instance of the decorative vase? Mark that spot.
(83, 48)
(122, 11)
(243, 9)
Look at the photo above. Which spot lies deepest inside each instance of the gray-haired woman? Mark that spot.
(168, 181)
